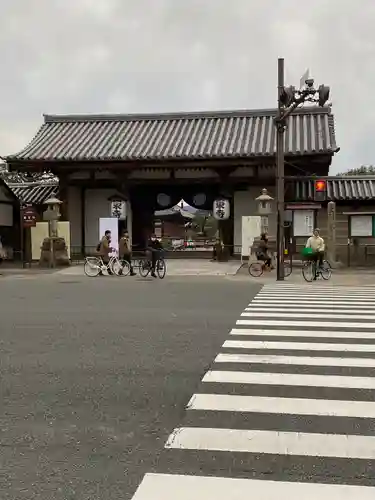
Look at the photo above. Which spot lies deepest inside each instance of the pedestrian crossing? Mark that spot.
(287, 408)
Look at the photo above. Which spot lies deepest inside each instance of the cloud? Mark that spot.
(82, 56)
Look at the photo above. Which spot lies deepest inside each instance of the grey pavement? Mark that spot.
(286, 409)
(180, 267)
(96, 373)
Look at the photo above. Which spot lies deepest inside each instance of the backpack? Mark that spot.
(98, 247)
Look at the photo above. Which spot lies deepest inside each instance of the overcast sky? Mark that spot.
(90, 56)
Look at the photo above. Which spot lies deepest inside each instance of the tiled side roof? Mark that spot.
(338, 188)
(235, 134)
(34, 193)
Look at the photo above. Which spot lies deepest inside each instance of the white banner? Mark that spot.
(109, 224)
(251, 227)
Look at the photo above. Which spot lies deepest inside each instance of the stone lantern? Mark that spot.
(264, 209)
(53, 252)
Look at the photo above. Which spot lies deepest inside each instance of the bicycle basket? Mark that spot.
(307, 253)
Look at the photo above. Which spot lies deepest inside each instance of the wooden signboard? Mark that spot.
(29, 217)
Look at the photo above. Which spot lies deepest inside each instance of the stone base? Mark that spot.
(60, 253)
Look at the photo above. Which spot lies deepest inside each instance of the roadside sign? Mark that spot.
(29, 217)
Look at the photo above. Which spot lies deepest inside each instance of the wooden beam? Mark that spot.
(83, 222)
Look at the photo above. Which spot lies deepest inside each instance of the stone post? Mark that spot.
(264, 211)
(331, 232)
(54, 251)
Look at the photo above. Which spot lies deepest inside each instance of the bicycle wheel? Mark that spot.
(120, 268)
(144, 268)
(161, 268)
(256, 269)
(326, 270)
(287, 270)
(92, 266)
(308, 271)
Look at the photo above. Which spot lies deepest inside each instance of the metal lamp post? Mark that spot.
(288, 100)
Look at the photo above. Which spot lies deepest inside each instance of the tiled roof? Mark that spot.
(232, 134)
(34, 193)
(338, 188)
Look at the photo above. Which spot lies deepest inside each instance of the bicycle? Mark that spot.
(256, 269)
(311, 270)
(145, 266)
(93, 266)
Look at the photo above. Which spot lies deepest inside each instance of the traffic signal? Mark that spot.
(320, 190)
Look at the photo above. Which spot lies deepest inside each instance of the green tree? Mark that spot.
(362, 170)
(205, 225)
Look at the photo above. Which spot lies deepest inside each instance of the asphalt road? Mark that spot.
(96, 373)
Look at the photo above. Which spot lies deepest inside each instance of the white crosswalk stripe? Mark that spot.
(295, 380)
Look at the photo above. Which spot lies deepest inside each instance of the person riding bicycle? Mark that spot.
(317, 245)
(104, 249)
(153, 250)
(263, 250)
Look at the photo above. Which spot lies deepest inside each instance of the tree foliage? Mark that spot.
(205, 225)
(362, 170)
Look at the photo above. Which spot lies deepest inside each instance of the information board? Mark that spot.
(361, 225)
(303, 222)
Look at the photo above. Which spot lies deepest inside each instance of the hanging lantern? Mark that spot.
(221, 209)
(118, 209)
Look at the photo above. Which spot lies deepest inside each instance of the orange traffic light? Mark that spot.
(320, 186)
(320, 191)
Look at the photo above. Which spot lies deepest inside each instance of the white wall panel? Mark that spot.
(6, 215)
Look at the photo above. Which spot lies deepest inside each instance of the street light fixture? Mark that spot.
(288, 100)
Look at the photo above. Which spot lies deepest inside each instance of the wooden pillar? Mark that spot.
(331, 233)
(124, 189)
(83, 220)
(226, 228)
(129, 219)
(63, 196)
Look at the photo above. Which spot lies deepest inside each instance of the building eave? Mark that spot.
(201, 136)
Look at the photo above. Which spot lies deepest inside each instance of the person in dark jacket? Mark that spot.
(263, 250)
(153, 250)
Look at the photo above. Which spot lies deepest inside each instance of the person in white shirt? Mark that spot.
(316, 243)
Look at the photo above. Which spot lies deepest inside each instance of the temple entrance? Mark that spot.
(157, 160)
(165, 199)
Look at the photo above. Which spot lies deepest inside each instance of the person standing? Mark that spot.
(125, 252)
